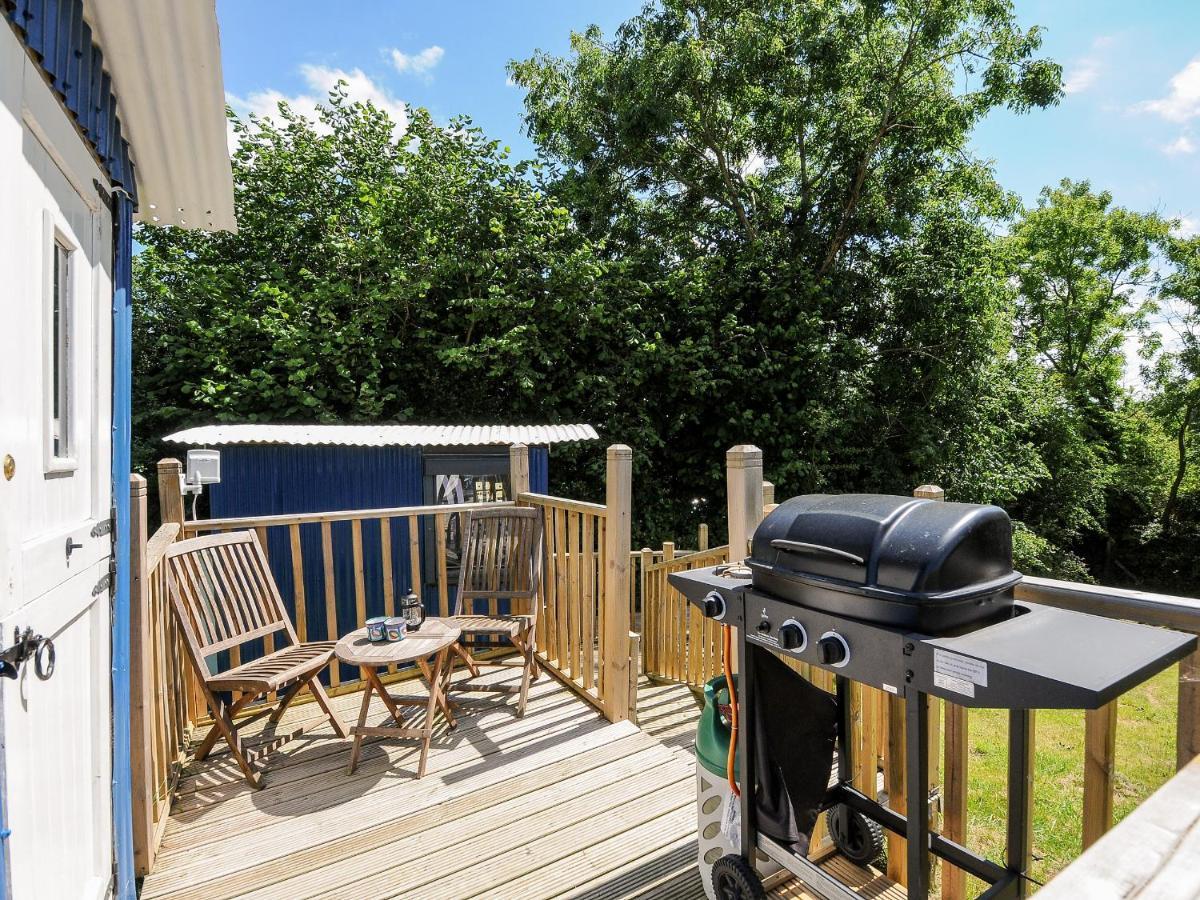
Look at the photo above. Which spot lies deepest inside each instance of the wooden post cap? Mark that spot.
(744, 456)
(930, 492)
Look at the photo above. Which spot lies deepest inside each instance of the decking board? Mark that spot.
(560, 803)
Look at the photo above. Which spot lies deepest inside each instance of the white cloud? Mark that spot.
(360, 88)
(1085, 70)
(1081, 76)
(1187, 227)
(1181, 146)
(1183, 102)
(420, 64)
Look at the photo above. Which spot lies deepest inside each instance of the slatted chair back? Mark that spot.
(224, 593)
(501, 559)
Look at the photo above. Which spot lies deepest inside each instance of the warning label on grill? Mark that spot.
(950, 683)
(960, 668)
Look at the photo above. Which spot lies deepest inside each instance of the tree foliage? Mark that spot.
(376, 279)
(753, 222)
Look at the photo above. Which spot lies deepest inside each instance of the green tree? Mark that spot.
(1085, 273)
(377, 277)
(1176, 373)
(792, 183)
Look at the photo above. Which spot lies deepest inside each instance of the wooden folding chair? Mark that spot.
(501, 560)
(224, 596)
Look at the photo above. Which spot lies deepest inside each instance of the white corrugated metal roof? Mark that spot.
(165, 62)
(383, 435)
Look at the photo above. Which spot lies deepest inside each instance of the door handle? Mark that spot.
(27, 645)
(72, 546)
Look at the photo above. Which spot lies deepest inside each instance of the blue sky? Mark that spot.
(1130, 122)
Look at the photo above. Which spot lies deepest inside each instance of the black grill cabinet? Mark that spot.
(914, 597)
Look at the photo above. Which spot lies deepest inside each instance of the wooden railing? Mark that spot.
(638, 559)
(678, 643)
(335, 570)
(583, 630)
(570, 632)
(164, 697)
(1180, 613)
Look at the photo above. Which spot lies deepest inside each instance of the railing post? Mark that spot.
(1099, 758)
(141, 673)
(618, 500)
(518, 470)
(744, 486)
(768, 496)
(170, 498)
(1187, 724)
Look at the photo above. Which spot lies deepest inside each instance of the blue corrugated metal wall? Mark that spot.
(271, 479)
(539, 470)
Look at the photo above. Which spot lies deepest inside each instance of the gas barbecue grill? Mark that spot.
(914, 597)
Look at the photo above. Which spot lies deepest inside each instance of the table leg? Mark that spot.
(367, 672)
(382, 691)
(445, 704)
(435, 693)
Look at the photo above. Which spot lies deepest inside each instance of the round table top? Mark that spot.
(354, 649)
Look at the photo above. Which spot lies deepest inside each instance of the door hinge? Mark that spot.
(102, 192)
(103, 527)
(106, 580)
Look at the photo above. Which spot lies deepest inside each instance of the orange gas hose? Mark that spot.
(726, 653)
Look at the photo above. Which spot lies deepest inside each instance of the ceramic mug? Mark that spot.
(395, 628)
(377, 629)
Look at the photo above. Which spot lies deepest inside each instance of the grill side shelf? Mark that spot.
(1045, 658)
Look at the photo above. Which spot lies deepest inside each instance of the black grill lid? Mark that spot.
(921, 549)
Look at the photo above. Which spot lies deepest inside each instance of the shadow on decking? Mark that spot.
(560, 803)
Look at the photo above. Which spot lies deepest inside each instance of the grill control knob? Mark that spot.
(833, 650)
(764, 626)
(792, 636)
(714, 606)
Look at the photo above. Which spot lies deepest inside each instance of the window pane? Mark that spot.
(60, 351)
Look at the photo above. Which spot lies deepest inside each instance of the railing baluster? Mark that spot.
(588, 584)
(414, 555)
(1099, 757)
(441, 521)
(298, 583)
(360, 589)
(331, 629)
(561, 598)
(954, 797)
(575, 635)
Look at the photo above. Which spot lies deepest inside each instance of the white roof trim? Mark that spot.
(165, 62)
(383, 435)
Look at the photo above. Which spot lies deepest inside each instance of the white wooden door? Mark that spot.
(55, 438)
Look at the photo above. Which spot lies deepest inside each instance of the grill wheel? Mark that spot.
(858, 838)
(735, 879)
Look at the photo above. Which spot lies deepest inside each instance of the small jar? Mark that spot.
(377, 629)
(395, 628)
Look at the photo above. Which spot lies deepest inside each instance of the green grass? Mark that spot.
(1145, 760)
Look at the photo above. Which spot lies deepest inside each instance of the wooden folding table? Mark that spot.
(433, 640)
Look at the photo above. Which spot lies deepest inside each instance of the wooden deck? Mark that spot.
(559, 804)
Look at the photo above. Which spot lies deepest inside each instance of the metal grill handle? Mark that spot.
(802, 547)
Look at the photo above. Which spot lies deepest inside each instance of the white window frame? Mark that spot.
(66, 460)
